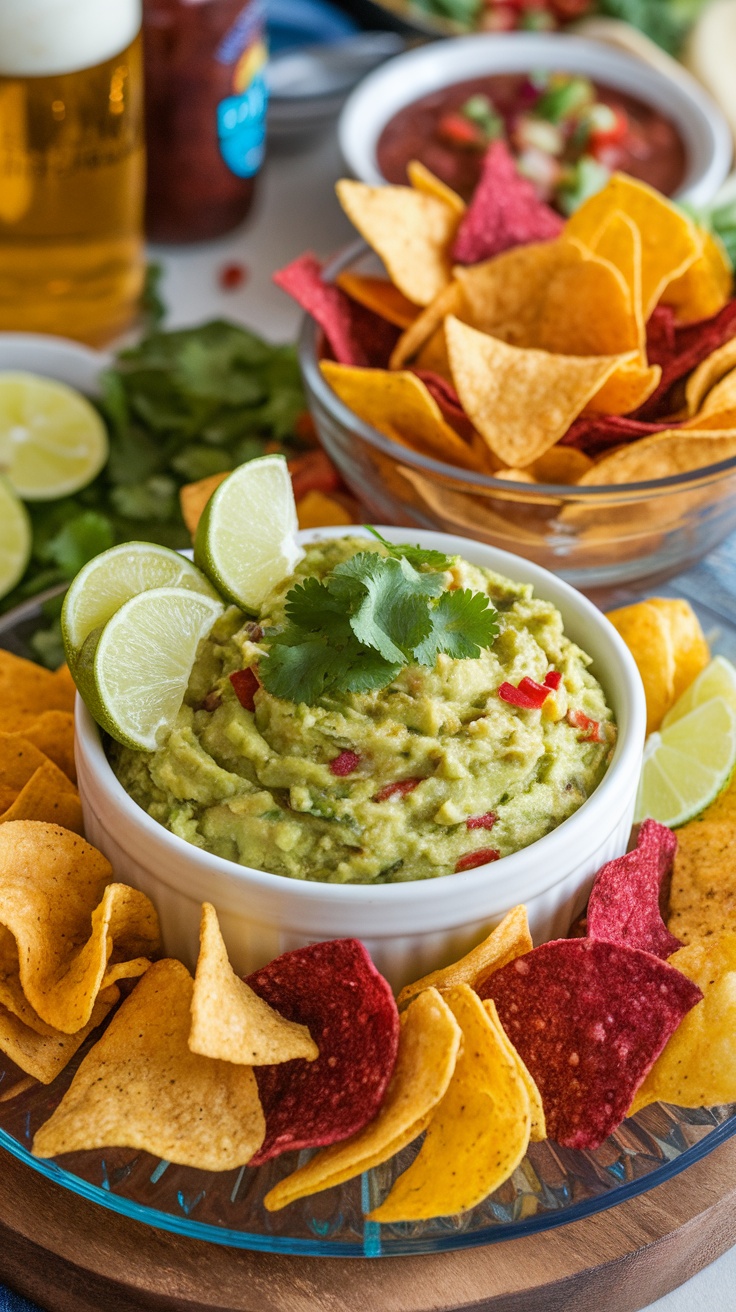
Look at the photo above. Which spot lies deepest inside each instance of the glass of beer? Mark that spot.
(71, 167)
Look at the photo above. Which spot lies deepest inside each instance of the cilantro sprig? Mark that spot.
(356, 629)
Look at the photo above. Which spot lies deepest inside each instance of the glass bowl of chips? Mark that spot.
(611, 524)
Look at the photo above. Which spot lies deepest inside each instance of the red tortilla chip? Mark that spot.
(594, 434)
(624, 904)
(335, 990)
(588, 1019)
(505, 211)
(354, 334)
(448, 401)
(680, 348)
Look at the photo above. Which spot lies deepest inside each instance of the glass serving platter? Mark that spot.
(551, 1187)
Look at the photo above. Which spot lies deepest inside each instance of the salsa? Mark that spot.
(567, 134)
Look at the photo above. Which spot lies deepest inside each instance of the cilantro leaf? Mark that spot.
(393, 617)
(312, 607)
(301, 671)
(369, 672)
(415, 555)
(462, 623)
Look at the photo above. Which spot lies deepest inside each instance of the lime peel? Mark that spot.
(16, 537)
(687, 764)
(52, 440)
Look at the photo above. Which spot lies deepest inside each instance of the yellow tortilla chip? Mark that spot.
(411, 232)
(628, 387)
(141, 1087)
(53, 734)
(660, 456)
(648, 636)
(26, 689)
(715, 367)
(670, 242)
(427, 325)
(704, 288)
(399, 405)
(723, 421)
(703, 889)
(722, 396)
(49, 795)
(724, 807)
(561, 464)
(692, 653)
(75, 931)
(316, 510)
(193, 498)
(379, 295)
(538, 1130)
(44, 1056)
(20, 1086)
(619, 242)
(478, 1134)
(510, 939)
(698, 1065)
(428, 1047)
(19, 761)
(422, 179)
(229, 1021)
(521, 401)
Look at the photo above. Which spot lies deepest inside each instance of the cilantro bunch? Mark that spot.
(355, 630)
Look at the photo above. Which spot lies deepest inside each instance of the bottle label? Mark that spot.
(241, 117)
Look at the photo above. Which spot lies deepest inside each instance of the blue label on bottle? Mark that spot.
(241, 128)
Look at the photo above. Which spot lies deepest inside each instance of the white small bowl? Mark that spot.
(408, 928)
(405, 79)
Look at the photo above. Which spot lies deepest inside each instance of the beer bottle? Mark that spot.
(205, 114)
(71, 166)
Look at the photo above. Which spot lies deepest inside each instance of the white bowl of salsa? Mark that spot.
(409, 927)
(665, 131)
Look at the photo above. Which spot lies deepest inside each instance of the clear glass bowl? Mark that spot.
(610, 540)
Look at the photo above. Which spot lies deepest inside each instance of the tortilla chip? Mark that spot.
(724, 807)
(26, 690)
(315, 510)
(505, 211)
(479, 1132)
(619, 242)
(626, 389)
(698, 1065)
(49, 795)
(715, 367)
(9, 1092)
(229, 1021)
(703, 289)
(410, 231)
(660, 456)
(422, 179)
(538, 1131)
(561, 464)
(193, 498)
(141, 1087)
(427, 325)
(378, 295)
(429, 1043)
(509, 939)
(75, 931)
(670, 242)
(354, 334)
(400, 406)
(44, 1056)
(624, 904)
(19, 761)
(722, 396)
(703, 890)
(521, 401)
(692, 652)
(648, 636)
(52, 732)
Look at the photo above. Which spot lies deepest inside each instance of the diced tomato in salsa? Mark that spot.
(486, 821)
(246, 684)
(529, 695)
(480, 858)
(346, 763)
(399, 788)
(590, 729)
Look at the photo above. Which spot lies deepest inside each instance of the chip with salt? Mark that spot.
(698, 1066)
(648, 636)
(229, 1020)
(505, 211)
(141, 1087)
(378, 295)
(479, 1132)
(521, 401)
(624, 904)
(703, 889)
(429, 1043)
(589, 1019)
(335, 990)
(44, 1055)
(509, 939)
(411, 231)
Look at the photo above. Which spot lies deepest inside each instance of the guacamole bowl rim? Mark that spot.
(317, 906)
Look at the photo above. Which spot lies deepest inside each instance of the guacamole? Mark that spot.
(433, 774)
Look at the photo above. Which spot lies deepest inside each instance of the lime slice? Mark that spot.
(133, 674)
(103, 585)
(717, 680)
(686, 766)
(52, 441)
(246, 539)
(15, 538)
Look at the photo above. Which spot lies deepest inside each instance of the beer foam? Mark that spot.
(42, 37)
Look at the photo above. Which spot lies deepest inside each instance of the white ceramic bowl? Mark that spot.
(408, 928)
(405, 79)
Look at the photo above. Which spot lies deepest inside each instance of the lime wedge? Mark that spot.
(15, 538)
(246, 539)
(134, 672)
(103, 585)
(52, 441)
(686, 765)
(717, 680)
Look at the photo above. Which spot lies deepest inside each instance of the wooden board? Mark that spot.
(72, 1256)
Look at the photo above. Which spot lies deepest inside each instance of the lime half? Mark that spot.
(686, 765)
(246, 539)
(717, 680)
(15, 538)
(134, 672)
(52, 441)
(104, 585)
